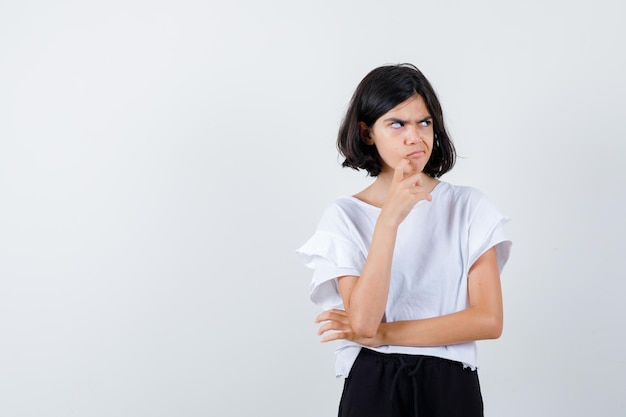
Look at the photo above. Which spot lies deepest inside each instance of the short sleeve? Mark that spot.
(486, 231)
(330, 256)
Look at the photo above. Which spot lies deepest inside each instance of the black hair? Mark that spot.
(380, 91)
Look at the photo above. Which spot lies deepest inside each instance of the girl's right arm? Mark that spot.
(365, 297)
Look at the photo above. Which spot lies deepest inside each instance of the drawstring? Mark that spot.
(403, 366)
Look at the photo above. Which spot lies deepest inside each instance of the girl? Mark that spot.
(408, 269)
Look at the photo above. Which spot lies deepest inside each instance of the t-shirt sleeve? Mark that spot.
(331, 254)
(486, 231)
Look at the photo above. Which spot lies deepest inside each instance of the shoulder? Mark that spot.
(339, 207)
(476, 204)
(468, 202)
(460, 194)
(343, 211)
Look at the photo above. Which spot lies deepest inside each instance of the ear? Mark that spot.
(364, 132)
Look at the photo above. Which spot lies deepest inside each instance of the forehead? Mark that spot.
(413, 107)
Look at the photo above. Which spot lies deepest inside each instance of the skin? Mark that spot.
(404, 139)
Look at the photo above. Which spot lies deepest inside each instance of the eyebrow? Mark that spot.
(394, 120)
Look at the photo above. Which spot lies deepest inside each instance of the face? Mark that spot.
(406, 131)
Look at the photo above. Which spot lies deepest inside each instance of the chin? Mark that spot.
(418, 164)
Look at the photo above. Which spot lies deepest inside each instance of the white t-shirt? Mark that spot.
(436, 245)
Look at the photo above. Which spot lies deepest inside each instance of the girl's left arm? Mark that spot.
(482, 319)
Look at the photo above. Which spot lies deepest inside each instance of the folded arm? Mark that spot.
(482, 319)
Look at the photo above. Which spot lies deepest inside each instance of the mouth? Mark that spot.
(416, 154)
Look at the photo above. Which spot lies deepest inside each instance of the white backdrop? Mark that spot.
(160, 162)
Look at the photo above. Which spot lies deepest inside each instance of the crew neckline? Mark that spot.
(432, 193)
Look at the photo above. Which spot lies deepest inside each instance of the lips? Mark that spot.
(416, 154)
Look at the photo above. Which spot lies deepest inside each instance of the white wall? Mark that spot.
(160, 162)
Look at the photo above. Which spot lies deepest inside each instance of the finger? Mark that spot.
(335, 336)
(334, 323)
(398, 174)
(415, 182)
(420, 194)
(323, 316)
(417, 178)
(338, 315)
(332, 326)
(414, 179)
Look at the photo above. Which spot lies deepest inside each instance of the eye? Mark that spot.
(426, 123)
(396, 125)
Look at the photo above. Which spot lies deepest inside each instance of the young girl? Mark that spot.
(408, 269)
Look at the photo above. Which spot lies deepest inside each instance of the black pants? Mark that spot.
(390, 385)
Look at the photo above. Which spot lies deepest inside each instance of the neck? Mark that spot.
(376, 193)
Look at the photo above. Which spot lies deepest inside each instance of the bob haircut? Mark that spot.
(380, 91)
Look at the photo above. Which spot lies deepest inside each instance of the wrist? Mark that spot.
(381, 334)
(387, 221)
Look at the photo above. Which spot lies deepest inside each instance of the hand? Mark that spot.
(336, 321)
(408, 187)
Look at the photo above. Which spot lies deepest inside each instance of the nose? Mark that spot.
(412, 135)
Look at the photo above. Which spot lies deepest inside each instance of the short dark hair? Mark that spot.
(380, 91)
